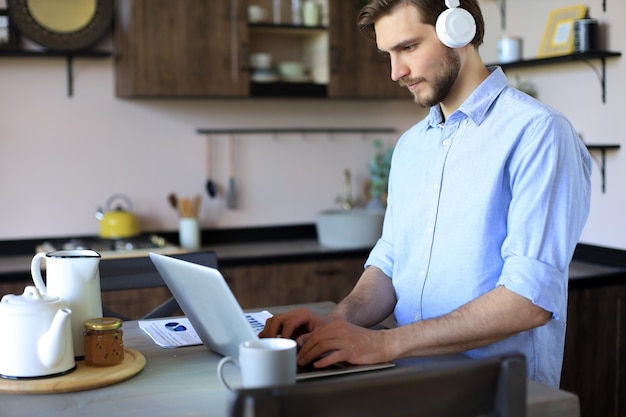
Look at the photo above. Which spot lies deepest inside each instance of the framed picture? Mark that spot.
(8, 34)
(558, 36)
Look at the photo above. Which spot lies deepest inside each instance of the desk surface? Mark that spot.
(183, 382)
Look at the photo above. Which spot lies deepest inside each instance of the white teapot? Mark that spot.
(36, 336)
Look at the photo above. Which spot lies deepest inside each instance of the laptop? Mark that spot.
(215, 314)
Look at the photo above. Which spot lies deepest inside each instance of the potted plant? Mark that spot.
(355, 226)
(378, 167)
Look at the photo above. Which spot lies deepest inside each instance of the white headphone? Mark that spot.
(455, 26)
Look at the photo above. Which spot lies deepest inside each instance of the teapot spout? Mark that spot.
(54, 344)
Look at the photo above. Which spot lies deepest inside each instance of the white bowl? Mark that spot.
(349, 229)
(290, 68)
(260, 60)
(264, 75)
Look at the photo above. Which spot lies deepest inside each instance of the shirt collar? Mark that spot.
(479, 102)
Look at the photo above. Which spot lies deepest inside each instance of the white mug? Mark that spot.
(73, 276)
(263, 363)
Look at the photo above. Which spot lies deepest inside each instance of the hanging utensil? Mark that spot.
(210, 185)
(232, 195)
(173, 200)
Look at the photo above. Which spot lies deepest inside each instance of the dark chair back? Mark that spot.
(138, 273)
(487, 387)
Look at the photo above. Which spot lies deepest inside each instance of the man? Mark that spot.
(487, 198)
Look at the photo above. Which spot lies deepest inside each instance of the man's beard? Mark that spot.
(442, 83)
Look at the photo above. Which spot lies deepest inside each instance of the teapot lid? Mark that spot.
(30, 296)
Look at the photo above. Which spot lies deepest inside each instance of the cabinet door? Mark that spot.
(593, 362)
(357, 69)
(180, 48)
(293, 282)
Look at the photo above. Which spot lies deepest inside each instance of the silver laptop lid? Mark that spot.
(208, 303)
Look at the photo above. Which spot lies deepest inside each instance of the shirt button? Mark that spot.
(436, 185)
(446, 142)
(464, 121)
(430, 230)
(422, 273)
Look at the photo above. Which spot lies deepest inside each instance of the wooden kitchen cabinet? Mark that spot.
(594, 363)
(198, 48)
(357, 69)
(265, 285)
(191, 48)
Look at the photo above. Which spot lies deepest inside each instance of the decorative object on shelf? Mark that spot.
(558, 36)
(379, 166)
(62, 25)
(586, 35)
(509, 49)
(9, 37)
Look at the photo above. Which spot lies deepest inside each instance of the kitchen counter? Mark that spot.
(183, 382)
(228, 254)
(250, 253)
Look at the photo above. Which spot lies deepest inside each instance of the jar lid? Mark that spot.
(103, 323)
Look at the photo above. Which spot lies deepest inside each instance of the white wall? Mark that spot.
(61, 157)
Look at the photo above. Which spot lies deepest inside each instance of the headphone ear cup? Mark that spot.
(455, 27)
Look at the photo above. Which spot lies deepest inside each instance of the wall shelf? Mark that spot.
(69, 56)
(304, 131)
(602, 148)
(579, 56)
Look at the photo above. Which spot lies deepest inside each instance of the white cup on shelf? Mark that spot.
(509, 49)
(257, 13)
(311, 13)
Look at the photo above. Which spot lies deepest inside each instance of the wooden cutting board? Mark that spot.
(82, 378)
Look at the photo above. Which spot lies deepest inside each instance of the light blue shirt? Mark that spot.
(496, 195)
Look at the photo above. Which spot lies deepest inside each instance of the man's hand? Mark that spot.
(339, 341)
(293, 323)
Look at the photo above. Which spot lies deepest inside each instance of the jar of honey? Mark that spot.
(103, 342)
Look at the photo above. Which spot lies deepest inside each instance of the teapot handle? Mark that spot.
(115, 197)
(35, 271)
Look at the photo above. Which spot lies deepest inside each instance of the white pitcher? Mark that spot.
(73, 276)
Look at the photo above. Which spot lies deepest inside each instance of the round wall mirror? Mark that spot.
(63, 25)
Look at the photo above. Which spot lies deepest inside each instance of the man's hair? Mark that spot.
(429, 9)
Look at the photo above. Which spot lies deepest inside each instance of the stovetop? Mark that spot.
(133, 246)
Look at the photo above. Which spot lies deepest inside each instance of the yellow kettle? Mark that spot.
(118, 222)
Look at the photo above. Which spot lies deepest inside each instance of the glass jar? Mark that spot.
(103, 342)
